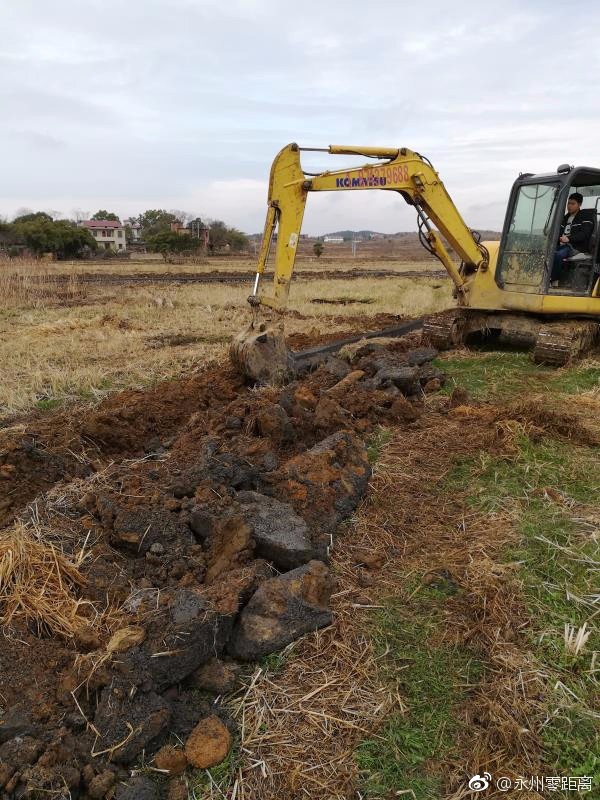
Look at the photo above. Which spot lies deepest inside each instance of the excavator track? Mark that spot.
(554, 343)
(444, 331)
(558, 343)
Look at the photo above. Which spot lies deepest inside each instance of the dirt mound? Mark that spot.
(32, 460)
(76, 442)
(169, 526)
(137, 421)
(573, 418)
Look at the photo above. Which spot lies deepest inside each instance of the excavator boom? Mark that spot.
(259, 351)
(402, 171)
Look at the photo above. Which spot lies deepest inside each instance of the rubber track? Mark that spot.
(331, 347)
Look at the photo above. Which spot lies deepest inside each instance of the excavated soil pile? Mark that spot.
(179, 533)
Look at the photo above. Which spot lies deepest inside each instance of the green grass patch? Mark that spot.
(273, 662)
(48, 403)
(494, 483)
(496, 374)
(575, 380)
(504, 373)
(376, 442)
(432, 679)
(559, 559)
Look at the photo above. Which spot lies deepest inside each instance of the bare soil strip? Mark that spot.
(230, 277)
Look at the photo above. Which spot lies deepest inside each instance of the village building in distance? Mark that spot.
(109, 234)
(136, 229)
(196, 229)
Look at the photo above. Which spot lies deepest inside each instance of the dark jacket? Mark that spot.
(582, 228)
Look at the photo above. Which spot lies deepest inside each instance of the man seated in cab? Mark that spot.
(575, 233)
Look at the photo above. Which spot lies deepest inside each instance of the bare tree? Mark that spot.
(183, 216)
(22, 212)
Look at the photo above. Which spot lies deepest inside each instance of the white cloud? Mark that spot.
(185, 104)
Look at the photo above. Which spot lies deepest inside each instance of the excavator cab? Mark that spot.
(531, 231)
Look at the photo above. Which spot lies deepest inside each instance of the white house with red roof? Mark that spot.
(109, 234)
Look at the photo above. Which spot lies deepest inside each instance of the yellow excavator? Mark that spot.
(503, 289)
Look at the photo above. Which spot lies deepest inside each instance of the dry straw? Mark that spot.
(300, 726)
(39, 586)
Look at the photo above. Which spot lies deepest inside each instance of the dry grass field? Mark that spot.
(154, 264)
(76, 340)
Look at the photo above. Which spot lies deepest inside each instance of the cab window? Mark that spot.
(523, 259)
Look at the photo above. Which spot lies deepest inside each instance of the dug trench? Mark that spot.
(155, 545)
(40, 449)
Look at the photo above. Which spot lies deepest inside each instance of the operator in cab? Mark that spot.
(575, 233)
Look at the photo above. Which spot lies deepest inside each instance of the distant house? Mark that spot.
(333, 239)
(180, 228)
(136, 229)
(196, 229)
(109, 234)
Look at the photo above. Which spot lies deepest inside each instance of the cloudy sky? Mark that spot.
(135, 104)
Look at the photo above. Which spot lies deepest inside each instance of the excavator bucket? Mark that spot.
(261, 354)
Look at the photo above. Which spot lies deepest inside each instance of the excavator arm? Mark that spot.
(260, 351)
(399, 170)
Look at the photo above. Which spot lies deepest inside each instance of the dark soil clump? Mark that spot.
(199, 515)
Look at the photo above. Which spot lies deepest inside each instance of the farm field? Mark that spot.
(393, 254)
(75, 340)
(448, 560)
(299, 403)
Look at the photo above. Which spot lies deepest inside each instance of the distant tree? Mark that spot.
(220, 236)
(318, 249)
(103, 214)
(155, 221)
(169, 243)
(217, 234)
(63, 238)
(236, 239)
(33, 216)
(183, 216)
(8, 237)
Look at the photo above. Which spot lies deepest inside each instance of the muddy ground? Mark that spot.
(184, 532)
